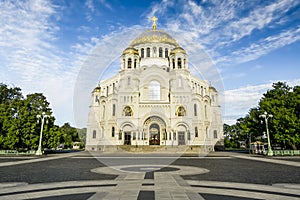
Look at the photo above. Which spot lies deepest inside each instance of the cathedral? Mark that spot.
(154, 100)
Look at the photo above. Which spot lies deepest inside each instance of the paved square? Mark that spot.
(219, 175)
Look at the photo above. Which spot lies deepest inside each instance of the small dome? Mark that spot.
(130, 50)
(178, 49)
(97, 89)
(154, 36)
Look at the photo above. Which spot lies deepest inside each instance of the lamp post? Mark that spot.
(266, 116)
(250, 134)
(42, 117)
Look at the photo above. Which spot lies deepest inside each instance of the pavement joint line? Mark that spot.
(244, 194)
(250, 190)
(17, 157)
(151, 157)
(42, 186)
(5, 164)
(51, 193)
(246, 186)
(275, 161)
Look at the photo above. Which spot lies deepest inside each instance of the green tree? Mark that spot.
(82, 136)
(10, 103)
(283, 103)
(19, 126)
(70, 135)
(35, 104)
(18, 122)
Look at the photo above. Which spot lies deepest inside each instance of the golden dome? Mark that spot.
(178, 49)
(130, 50)
(154, 36)
(97, 89)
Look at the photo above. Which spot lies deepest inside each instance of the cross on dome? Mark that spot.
(154, 19)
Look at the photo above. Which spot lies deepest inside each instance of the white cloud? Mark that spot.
(90, 5)
(266, 45)
(222, 27)
(29, 56)
(106, 4)
(259, 18)
(239, 101)
(159, 8)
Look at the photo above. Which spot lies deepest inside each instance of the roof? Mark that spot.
(154, 36)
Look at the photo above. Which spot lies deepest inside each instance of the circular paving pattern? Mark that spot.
(174, 169)
(149, 169)
(162, 182)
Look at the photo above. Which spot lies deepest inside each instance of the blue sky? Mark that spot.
(46, 46)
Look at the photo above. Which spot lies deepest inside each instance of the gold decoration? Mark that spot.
(177, 50)
(130, 50)
(154, 19)
(180, 111)
(151, 36)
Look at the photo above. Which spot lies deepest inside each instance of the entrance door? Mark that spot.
(181, 138)
(127, 138)
(154, 134)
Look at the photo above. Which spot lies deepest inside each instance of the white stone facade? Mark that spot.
(154, 100)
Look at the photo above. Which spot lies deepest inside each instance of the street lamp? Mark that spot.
(42, 117)
(266, 116)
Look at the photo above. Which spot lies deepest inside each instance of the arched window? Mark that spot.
(128, 80)
(179, 82)
(142, 52)
(196, 131)
(129, 63)
(94, 133)
(134, 65)
(195, 109)
(148, 52)
(114, 110)
(173, 63)
(179, 63)
(215, 134)
(103, 111)
(112, 131)
(166, 53)
(96, 98)
(123, 63)
(127, 111)
(154, 90)
(180, 111)
(160, 52)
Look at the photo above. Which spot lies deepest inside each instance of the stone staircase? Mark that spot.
(155, 149)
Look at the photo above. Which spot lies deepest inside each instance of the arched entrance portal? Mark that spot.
(127, 129)
(155, 129)
(181, 131)
(154, 135)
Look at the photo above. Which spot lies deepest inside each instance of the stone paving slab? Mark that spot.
(165, 184)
